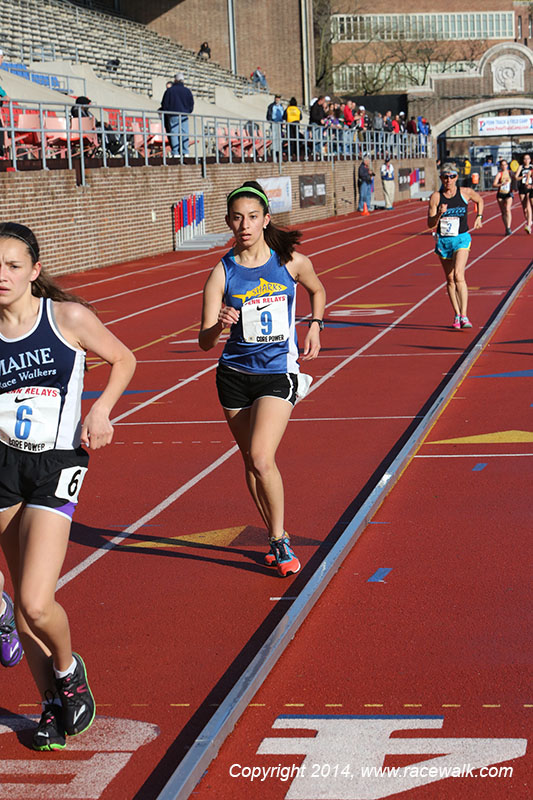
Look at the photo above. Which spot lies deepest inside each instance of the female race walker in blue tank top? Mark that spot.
(44, 333)
(252, 290)
(448, 210)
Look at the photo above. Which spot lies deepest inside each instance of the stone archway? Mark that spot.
(484, 107)
(503, 79)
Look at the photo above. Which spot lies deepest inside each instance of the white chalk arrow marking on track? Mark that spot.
(110, 742)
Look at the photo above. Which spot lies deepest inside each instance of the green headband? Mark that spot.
(251, 189)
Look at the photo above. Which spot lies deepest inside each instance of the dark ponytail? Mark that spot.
(43, 285)
(281, 240)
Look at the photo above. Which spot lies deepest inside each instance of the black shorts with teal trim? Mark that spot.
(237, 390)
(50, 480)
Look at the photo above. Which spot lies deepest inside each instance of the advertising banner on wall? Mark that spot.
(505, 126)
(278, 191)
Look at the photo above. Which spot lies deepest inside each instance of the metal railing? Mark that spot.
(46, 133)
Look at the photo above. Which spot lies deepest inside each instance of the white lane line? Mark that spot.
(343, 297)
(303, 419)
(333, 302)
(477, 455)
(348, 243)
(213, 366)
(152, 308)
(156, 397)
(198, 256)
(150, 286)
(83, 565)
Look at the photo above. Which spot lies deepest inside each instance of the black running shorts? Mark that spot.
(50, 480)
(238, 390)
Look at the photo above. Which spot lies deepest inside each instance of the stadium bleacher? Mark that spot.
(58, 30)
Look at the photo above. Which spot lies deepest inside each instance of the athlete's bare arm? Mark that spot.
(302, 270)
(215, 315)
(84, 330)
(435, 211)
(476, 198)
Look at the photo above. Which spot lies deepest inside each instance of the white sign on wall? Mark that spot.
(505, 126)
(278, 191)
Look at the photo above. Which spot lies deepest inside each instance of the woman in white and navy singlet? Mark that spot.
(448, 213)
(252, 290)
(524, 180)
(44, 334)
(503, 182)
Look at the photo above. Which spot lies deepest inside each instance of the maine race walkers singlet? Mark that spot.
(41, 381)
(264, 338)
(454, 220)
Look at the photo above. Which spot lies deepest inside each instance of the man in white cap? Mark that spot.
(178, 102)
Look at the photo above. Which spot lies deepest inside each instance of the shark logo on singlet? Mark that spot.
(264, 288)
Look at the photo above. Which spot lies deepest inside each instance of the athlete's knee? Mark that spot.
(35, 612)
(261, 464)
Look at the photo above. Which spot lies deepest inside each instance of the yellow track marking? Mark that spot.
(222, 538)
(498, 437)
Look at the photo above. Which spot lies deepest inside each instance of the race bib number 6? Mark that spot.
(265, 319)
(29, 418)
(69, 483)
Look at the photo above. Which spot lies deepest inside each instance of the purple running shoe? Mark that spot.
(11, 650)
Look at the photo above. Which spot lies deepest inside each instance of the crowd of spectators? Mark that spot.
(345, 122)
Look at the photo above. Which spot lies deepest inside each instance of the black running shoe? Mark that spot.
(50, 733)
(77, 700)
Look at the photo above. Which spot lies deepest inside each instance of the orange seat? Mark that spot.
(28, 135)
(59, 131)
(241, 143)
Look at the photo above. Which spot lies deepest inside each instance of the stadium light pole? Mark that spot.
(231, 31)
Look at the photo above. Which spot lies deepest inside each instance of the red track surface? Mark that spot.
(168, 617)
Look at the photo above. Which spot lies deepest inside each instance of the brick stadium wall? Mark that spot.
(125, 214)
(267, 34)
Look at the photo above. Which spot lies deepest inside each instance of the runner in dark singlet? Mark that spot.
(448, 210)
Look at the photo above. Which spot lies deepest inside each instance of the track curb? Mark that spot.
(207, 744)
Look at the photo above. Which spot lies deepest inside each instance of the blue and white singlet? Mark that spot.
(264, 339)
(41, 381)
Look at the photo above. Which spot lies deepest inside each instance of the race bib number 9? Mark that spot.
(449, 226)
(29, 418)
(265, 319)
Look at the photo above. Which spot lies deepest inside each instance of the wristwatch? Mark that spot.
(320, 323)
